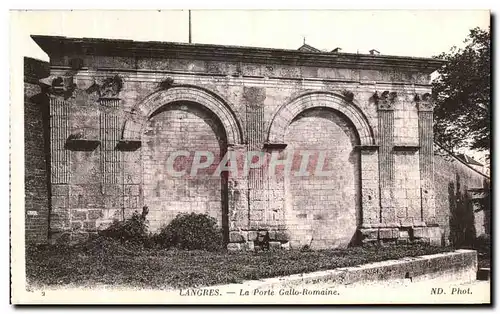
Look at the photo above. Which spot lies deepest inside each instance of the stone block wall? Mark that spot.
(36, 153)
(316, 203)
(189, 128)
(457, 186)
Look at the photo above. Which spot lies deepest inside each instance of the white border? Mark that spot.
(261, 4)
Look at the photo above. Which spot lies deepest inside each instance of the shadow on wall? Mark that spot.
(462, 227)
(485, 205)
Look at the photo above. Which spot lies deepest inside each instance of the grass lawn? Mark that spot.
(108, 263)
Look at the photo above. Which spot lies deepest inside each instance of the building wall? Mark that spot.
(36, 153)
(457, 214)
(138, 110)
(323, 210)
(183, 127)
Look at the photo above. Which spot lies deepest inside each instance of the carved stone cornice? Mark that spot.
(65, 86)
(55, 45)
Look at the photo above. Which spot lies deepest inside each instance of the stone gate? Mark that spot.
(129, 120)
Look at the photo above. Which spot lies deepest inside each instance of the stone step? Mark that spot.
(483, 274)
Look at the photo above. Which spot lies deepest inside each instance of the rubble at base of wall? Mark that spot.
(256, 240)
(252, 240)
(399, 235)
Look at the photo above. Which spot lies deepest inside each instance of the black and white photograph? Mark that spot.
(197, 156)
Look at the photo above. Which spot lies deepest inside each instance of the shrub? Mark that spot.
(191, 231)
(133, 229)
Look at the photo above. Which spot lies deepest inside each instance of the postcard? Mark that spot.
(250, 157)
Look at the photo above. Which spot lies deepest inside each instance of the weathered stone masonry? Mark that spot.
(119, 108)
(37, 152)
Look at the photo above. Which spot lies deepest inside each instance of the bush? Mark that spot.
(133, 229)
(192, 232)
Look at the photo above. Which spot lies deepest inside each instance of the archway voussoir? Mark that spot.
(227, 117)
(285, 118)
(287, 112)
(315, 98)
(179, 94)
(297, 108)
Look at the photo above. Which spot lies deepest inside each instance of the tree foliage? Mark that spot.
(462, 95)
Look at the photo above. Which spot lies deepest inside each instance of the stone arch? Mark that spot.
(287, 112)
(143, 110)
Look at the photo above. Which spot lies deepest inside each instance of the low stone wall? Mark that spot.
(458, 266)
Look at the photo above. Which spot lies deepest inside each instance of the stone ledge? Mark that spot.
(406, 148)
(367, 147)
(278, 146)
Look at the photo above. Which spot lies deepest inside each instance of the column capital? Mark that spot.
(424, 102)
(386, 100)
(68, 85)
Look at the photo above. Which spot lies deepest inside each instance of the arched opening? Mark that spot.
(288, 111)
(229, 118)
(324, 202)
(171, 138)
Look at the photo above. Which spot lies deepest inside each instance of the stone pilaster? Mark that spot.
(121, 167)
(60, 216)
(426, 162)
(258, 183)
(237, 186)
(370, 199)
(385, 105)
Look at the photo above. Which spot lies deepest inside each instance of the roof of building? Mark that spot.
(469, 160)
(308, 48)
(57, 46)
(439, 147)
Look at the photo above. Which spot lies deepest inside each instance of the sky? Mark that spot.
(392, 32)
